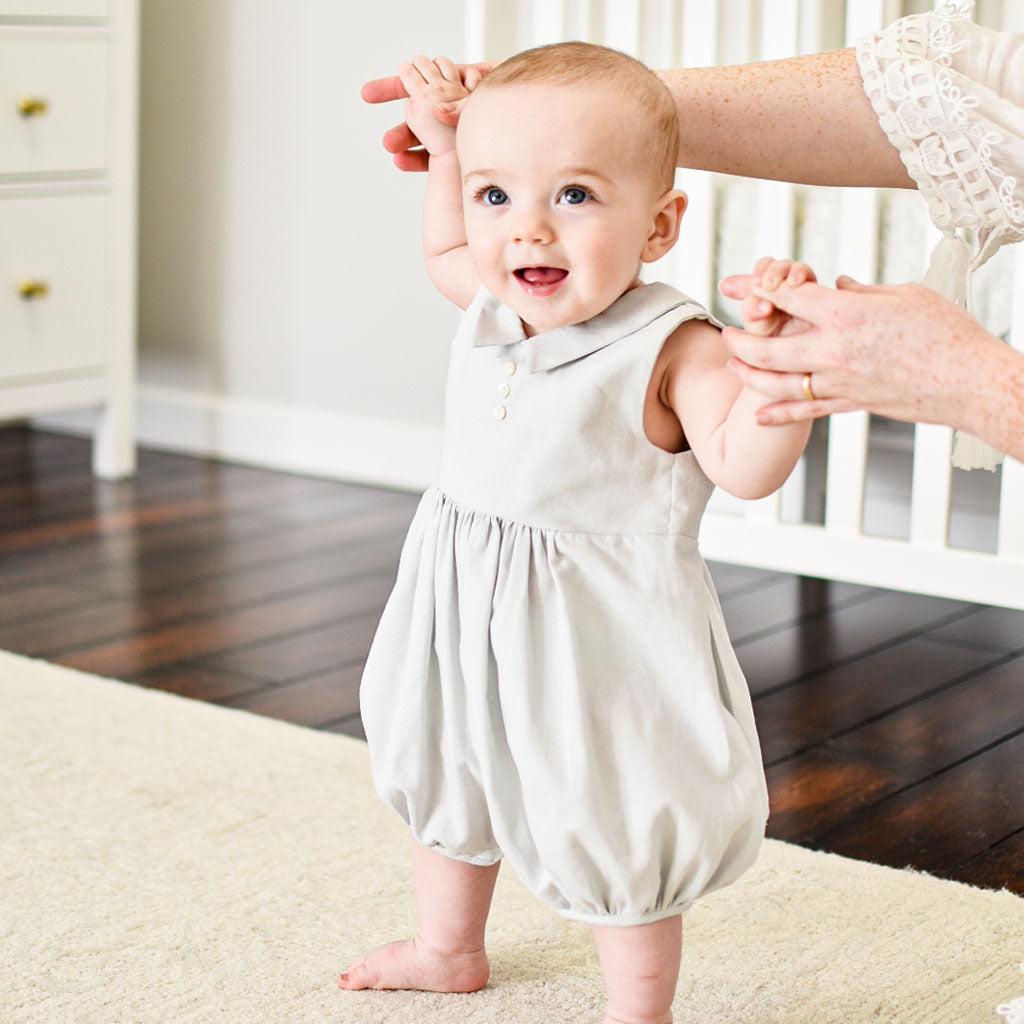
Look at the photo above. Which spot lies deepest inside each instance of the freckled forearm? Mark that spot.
(803, 119)
(988, 400)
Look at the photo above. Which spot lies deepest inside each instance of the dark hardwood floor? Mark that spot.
(892, 724)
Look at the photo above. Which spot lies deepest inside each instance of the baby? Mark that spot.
(551, 681)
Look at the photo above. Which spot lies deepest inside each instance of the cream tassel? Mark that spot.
(947, 274)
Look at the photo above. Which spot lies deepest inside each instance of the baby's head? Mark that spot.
(568, 157)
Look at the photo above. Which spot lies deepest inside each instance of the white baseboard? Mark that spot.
(387, 453)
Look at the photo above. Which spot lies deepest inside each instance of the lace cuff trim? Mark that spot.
(948, 128)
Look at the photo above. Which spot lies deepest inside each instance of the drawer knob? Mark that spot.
(33, 288)
(32, 106)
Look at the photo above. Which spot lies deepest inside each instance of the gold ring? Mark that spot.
(808, 393)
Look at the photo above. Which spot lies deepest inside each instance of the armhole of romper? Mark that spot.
(674, 318)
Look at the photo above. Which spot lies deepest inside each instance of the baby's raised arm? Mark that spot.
(429, 83)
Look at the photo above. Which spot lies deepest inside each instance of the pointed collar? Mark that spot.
(500, 325)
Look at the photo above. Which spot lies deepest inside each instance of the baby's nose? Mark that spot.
(532, 227)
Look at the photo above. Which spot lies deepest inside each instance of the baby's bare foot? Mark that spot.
(413, 964)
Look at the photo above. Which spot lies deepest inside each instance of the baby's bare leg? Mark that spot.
(447, 952)
(640, 964)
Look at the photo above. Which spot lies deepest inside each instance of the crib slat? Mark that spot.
(1013, 16)
(1011, 513)
(776, 209)
(692, 262)
(780, 28)
(492, 30)
(822, 26)
(700, 33)
(1011, 496)
(547, 22)
(847, 471)
(623, 25)
(858, 243)
(583, 20)
(848, 433)
(930, 489)
(478, 16)
(658, 33)
(863, 16)
(739, 44)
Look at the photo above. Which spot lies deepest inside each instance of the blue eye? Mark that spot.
(575, 194)
(493, 197)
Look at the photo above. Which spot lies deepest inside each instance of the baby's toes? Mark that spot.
(359, 975)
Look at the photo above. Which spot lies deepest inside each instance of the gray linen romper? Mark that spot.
(551, 680)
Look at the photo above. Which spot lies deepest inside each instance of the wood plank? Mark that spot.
(351, 726)
(314, 650)
(199, 682)
(942, 822)
(33, 604)
(220, 633)
(855, 631)
(731, 579)
(999, 867)
(831, 703)
(784, 602)
(104, 619)
(176, 554)
(815, 791)
(944, 727)
(990, 629)
(316, 701)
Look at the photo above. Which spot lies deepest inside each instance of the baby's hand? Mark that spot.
(757, 311)
(428, 83)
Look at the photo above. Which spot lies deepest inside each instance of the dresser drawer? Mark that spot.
(66, 80)
(59, 242)
(54, 8)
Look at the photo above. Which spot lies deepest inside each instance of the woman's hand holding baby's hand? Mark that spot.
(759, 315)
(436, 95)
(400, 142)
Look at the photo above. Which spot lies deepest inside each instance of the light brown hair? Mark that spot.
(587, 64)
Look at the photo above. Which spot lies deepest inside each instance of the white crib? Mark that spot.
(872, 501)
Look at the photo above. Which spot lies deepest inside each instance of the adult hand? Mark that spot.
(407, 153)
(896, 350)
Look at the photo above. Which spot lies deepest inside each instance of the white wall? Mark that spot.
(285, 316)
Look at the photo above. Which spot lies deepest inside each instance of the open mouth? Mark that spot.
(541, 280)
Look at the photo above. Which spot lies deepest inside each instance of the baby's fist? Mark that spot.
(430, 83)
(759, 315)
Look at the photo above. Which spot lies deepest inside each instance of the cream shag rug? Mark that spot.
(167, 861)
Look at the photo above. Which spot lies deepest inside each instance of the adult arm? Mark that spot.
(900, 351)
(804, 119)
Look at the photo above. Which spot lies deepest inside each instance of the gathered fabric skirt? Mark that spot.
(569, 702)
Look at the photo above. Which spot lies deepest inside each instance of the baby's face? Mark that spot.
(558, 201)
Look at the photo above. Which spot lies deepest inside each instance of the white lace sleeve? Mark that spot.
(949, 94)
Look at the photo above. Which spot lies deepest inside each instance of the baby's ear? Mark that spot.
(668, 215)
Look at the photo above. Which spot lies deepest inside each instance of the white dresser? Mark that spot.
(68, 144)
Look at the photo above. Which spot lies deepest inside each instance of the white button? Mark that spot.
(499, 412)
(503, 390)
(510, 369)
